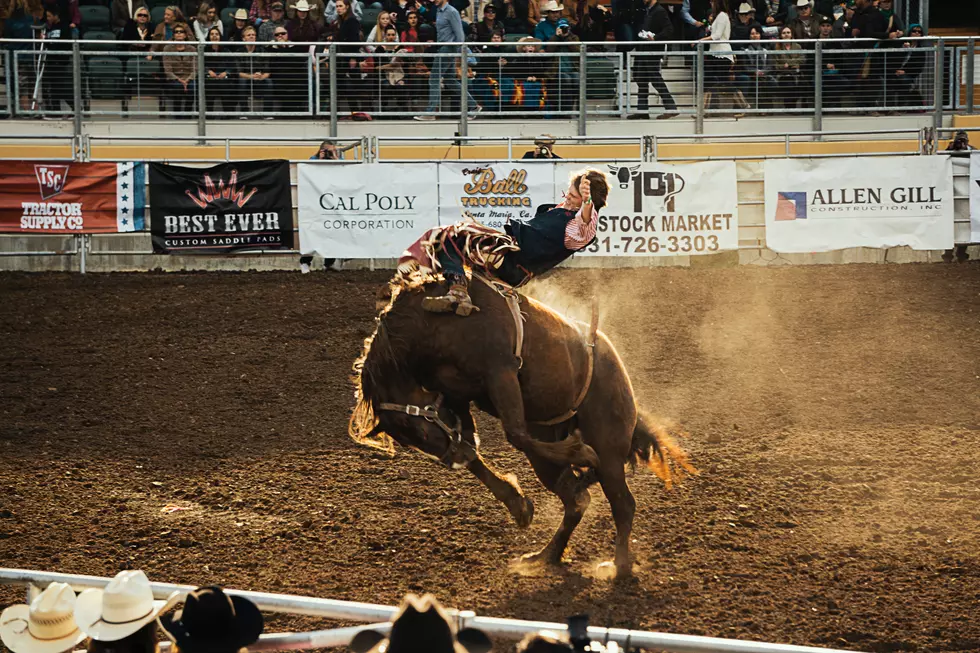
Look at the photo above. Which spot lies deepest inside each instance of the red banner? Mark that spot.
(71, 198)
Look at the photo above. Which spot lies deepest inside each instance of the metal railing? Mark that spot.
(87, 80)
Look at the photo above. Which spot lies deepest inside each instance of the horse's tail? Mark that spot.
(654, 445)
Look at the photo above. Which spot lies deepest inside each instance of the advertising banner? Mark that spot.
(370, 210)
(664, 210)
(71, 198)
(494, 193)
(820, 205)
(975, 197)
(232, 206)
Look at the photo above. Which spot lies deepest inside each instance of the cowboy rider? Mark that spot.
(554, 234)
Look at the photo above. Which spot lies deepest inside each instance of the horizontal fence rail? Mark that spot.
(352, 611)
(100, 77)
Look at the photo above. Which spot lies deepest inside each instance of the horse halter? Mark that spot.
(430, 413)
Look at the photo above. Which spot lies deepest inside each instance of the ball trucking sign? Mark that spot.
(71, 198)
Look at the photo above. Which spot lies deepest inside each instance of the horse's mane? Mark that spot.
(383, 355)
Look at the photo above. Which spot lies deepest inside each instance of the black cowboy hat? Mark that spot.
(421, 625)
(213, 621)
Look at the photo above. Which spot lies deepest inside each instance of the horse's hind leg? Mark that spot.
(506, 490)
(612, 476)
(575, 497)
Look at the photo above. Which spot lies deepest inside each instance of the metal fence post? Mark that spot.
(582, 88)
(332, 80)
(202, 127)
(464, 92)
(971, 52)
(699, 91)
(76, 85)
(818, 89)
(80, 246)
(938, 76)
(9, 80)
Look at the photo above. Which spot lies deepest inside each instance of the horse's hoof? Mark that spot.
(542, 557)
(523, 512)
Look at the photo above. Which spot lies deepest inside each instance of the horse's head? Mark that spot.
(426, 424)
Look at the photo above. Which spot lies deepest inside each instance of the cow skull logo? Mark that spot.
(624, 174)
(50, 179)
(654, 184)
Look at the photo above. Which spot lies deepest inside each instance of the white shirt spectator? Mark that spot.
(721, 33)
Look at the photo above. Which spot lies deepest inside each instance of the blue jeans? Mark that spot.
(444, 67)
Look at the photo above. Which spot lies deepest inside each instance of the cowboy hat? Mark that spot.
(421, 625)
(213, 621)
(802, 3)
(123, 607)
(241, 14)
(745, 8)
(302, 5)
(551, 5)
(47, 625)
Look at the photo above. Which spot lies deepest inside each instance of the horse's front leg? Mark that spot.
(504, 390)
(506, 489)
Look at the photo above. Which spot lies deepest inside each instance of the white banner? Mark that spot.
(664, 210)
(975, 197)
(820, 205)
(494, 193)
(372, 210)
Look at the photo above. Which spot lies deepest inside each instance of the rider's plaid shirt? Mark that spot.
(578, 234)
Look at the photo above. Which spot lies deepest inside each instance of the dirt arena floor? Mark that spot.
(834, 411)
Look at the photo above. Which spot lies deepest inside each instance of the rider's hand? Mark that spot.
(585, 189)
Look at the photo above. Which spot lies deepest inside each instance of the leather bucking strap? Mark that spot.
(590, 345)
(514, 304)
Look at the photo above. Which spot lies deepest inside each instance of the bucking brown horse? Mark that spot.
(565, 401)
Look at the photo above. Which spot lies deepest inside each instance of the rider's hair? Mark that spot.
(599, 185)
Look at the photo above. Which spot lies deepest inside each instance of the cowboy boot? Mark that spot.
(457, 300)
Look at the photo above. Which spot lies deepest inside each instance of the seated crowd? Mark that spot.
(387, 52)
(125, 618)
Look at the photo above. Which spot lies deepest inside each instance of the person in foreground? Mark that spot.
(525, 250)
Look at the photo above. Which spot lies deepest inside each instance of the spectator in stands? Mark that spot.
(869, 23)
(238, 25)
(543, 148)
(719, 58)
(56, 79)
(140, 30)
(526, 70)
(516, 16)
(896, 29)
(390, 84)
(752, 74)
(548, 27)
(207, 17)
(627, 18)
(960, 142)
(903, 71)
(777, 13)
(449, 29)
(47, 625)
(302, 28)
(330, 12)
(658, 30)
(254, 74)
(277, 18)
(399, 11)
(172, 15)
(377, 33)
(695, 15)
(544, 642)
(786, 63)
(562, 71)
(289, 73)
(316, 10)
(411, 32)
(349, 83)
(842, 25)
(594, 23)
(258, 12)
(833, 64)
(213, 622)
(806, 25)
(220, 75)
(179, 70)
(482, 31)
(124, 11)
(122, 617)
(746, 21)
(421, 625)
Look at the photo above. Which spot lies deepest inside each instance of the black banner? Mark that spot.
(227, 207)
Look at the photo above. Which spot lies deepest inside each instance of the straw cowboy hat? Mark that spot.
(421, 625)
(241, 14)
(745, 8)
(213, 621)
(47, 625)
(122, 608)
(302, 5)
(802, 3)
(551, 5)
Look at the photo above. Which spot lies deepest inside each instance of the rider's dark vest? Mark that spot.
(542, 239)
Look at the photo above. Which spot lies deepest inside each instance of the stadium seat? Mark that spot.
(156, 14)
(105, 78)
(104, 3)
(139, 69)
(94, 16)
(514, 38)
(102, 39)
(601, 72)
(160, 3)
(369, 18)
